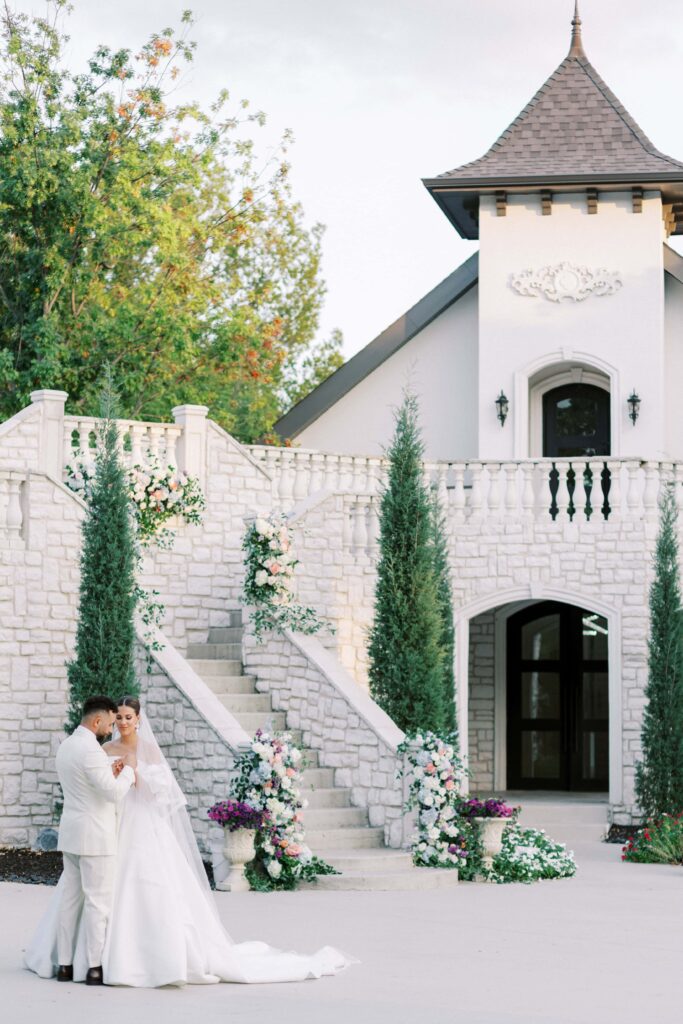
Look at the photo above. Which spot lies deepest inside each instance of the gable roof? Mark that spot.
(378, 351)
(573, 131)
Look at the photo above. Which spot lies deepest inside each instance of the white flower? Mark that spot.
(261, 578)
(274, 869)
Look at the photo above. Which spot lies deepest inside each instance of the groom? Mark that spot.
(87, 835)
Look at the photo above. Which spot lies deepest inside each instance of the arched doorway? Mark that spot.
(576, 421)
(557, 699)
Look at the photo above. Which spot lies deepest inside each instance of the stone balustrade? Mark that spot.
(137, 439)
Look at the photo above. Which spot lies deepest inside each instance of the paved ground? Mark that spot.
(603, 947)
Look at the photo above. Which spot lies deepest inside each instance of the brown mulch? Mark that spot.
(35, 868)
(621, 833)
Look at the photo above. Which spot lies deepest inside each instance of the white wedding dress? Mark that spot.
(164, 928)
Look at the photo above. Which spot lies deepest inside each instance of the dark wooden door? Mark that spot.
(576, 421)
(557, 699)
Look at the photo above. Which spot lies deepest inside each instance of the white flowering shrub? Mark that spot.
(529, 855)
(268, 777)
(435, 773)
(270, 562)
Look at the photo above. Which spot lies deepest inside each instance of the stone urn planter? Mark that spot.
(239, 849)
(491, 830)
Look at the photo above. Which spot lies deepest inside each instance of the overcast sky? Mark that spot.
(381, 93)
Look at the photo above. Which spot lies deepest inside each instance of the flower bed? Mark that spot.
(659, 842)
(528, 855)
(268, 777)
(270, 564)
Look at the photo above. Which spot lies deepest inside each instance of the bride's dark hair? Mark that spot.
(130, 702)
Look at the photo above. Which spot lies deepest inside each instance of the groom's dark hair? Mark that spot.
(94, 704)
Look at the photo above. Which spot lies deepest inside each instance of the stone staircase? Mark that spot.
(335, 830)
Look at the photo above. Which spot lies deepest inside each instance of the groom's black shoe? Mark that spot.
(94, 976)
(65, 972)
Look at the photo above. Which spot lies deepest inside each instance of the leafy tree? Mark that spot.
(445, 603)
(405, 652)
(659, 776)
(146, 234)
(105, 635)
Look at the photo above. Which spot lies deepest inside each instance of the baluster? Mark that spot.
(301, 475)
(373, 525)
(613, 498)
(494, 489)
(651, 491)
(171, 436)
(69, 452)
(271, 461)
(331, 473)
(360, 528)
(511, 478)
(458, 500)
(347, 524)
(528, 490)
(591, 490)
(634, 488)
(562, 497)
(83, 429)
(286, 488)
(477, 510)
(442, 486)
(136, 435)
(14, 515)
(317, 472)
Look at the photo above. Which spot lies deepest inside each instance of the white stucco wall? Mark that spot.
(621, 334)
(673, 377)
(440, 364)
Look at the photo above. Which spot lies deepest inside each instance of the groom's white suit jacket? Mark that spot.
(88, 824)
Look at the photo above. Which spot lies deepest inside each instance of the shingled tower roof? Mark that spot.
(573, 131)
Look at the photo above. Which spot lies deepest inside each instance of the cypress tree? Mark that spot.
(445, 603)
(405, 653)
(105, 635)
(659, 775)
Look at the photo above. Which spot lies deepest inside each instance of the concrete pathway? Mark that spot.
(604, 947)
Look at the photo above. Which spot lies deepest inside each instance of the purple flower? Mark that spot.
(234, 814)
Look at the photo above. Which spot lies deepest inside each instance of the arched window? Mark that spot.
(576, 421)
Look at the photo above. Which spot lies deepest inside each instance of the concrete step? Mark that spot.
(234, 618)
(315, 778)
(386, 881)
(269, 721)
(218, 667)
(343, 838)
(238, 703)
(326, 798)
(225, 635)
(312, 764)
(357, 861)
(231, 684)
(215, 652)
(319, 819)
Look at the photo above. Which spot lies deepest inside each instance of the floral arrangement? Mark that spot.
(270, 563)
(435, 774)
(528, 855)
(659, 842)
(268, 777)
(493, 808)
(157, 493)
(235, 814)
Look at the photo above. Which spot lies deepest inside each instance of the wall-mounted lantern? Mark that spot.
(633, 407)
(503, 406)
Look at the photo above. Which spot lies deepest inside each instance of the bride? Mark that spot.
(164, 927)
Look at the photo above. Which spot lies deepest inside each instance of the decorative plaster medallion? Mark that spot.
(566, 281)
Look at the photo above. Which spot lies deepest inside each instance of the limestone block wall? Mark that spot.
(481, 703)
(352, 734)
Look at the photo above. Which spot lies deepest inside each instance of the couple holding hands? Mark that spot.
(133, 905)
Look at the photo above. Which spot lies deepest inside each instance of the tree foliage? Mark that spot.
(659, 775)
(104, 654)
(405, 650)
(146, 234)
(444, 598)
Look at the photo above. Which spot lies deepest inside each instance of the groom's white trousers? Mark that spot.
(88, 888)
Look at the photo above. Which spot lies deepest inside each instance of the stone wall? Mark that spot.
(338, 719)
(481, 704)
